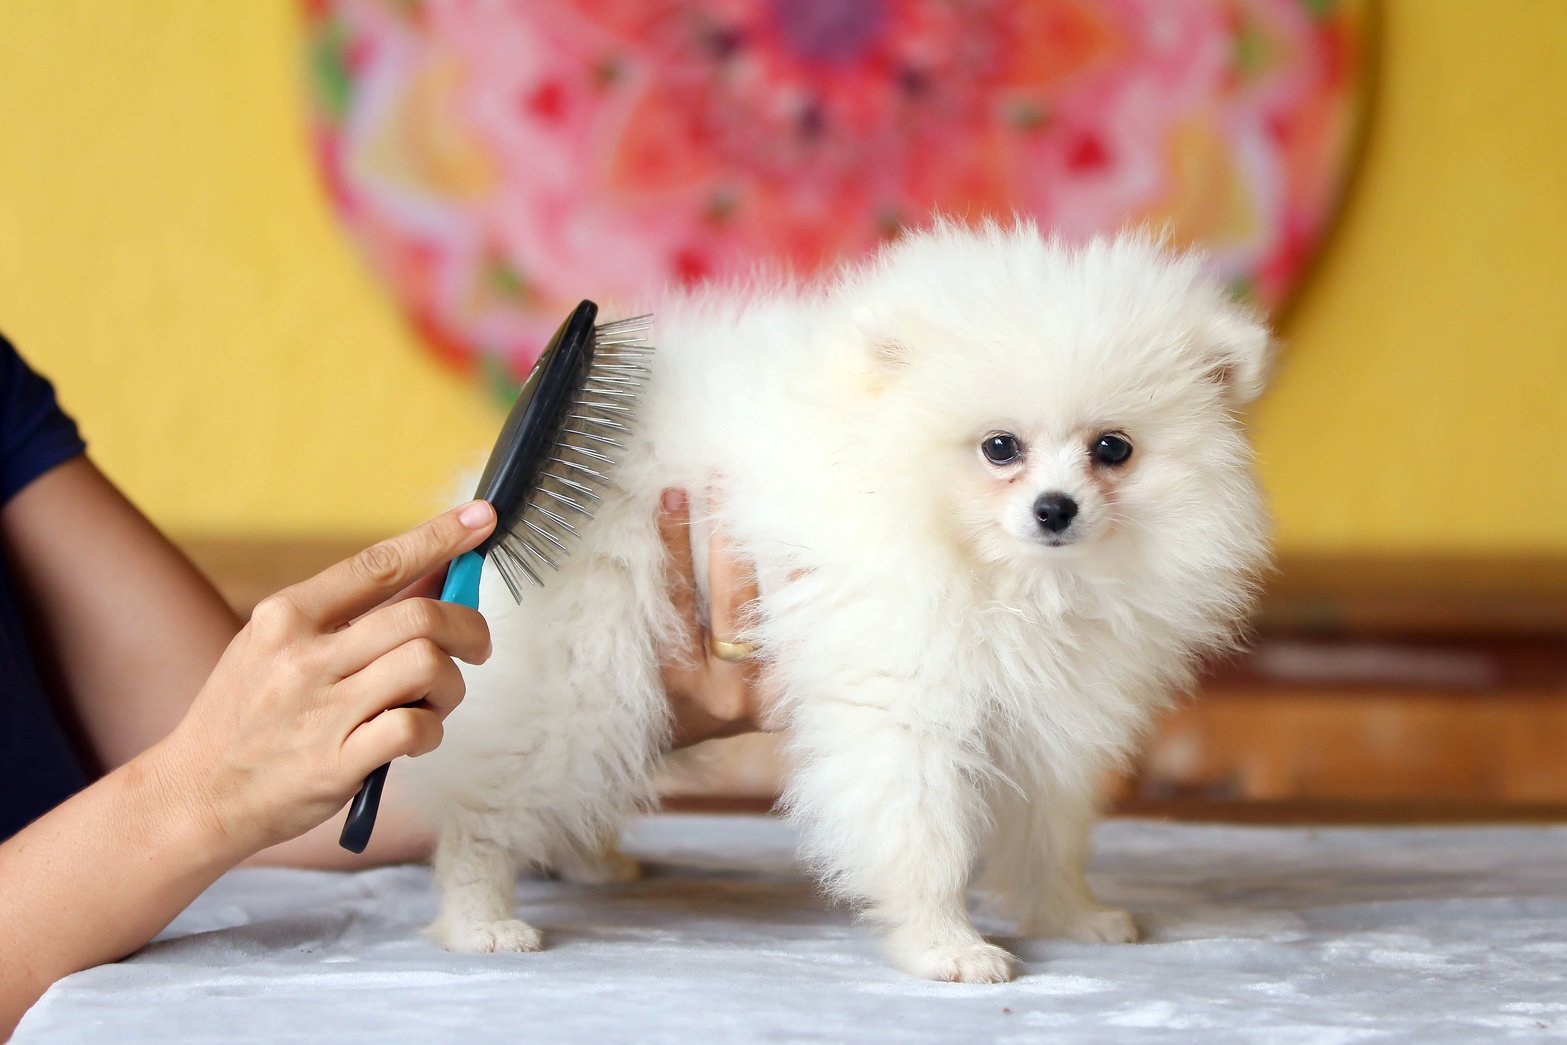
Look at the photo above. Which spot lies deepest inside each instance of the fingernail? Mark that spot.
(475, 515)
(674, 500)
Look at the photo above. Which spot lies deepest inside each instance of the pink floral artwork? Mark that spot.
(498, 160)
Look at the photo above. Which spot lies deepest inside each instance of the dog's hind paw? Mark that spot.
(1104, 926)
(966, 962)
(607, 867)
(481, 937)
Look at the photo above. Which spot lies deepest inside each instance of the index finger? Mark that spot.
(731, 583)
(342, 592)
(674, 528)
(427, 587)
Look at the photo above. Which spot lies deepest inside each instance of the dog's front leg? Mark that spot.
(1036, 859)
(477, 875)
(890, 810)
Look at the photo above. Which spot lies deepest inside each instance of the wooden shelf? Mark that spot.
(1292, 812)
(1417, 596)
(1378, 688)
(1307, 596)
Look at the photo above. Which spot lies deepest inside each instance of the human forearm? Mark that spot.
(129, 628)
(101, 874)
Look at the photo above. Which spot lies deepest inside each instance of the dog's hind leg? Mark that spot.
(603, 864)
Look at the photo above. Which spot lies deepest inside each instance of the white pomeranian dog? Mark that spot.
(999, 503)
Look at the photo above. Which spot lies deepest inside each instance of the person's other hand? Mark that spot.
(709, 697)
(309, 697)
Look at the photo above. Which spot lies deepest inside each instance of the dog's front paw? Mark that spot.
(968, 961)
(483, 937)
(1093, 924)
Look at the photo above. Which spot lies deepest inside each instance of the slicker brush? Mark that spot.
(543, 478)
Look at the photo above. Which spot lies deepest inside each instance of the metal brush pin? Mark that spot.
(581, 452)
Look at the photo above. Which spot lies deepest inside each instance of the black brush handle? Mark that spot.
(362, 811)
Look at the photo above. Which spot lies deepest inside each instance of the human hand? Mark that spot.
(710, 697)
(309, 697)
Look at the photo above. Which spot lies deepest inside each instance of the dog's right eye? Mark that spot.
(1001, 448)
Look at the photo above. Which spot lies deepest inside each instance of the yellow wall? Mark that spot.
(1422, 405)
(166, 255)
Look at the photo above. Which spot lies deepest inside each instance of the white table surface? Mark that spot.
(1254, 934)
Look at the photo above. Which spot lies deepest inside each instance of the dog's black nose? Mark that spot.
(1055, 511)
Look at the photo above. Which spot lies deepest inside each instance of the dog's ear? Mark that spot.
(886, 351)
(1236, 355)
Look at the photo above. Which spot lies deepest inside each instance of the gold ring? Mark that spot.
(730, 652)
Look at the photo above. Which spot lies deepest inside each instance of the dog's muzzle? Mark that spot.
(1054, 512)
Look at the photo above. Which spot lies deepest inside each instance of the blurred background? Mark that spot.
(283, 261)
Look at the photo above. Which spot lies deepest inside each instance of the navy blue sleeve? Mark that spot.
(35, 434)
(38, 767)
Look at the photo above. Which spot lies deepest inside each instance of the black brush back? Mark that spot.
(559, 442)
(527, 439)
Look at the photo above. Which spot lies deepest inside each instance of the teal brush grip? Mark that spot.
(462, 588)
(462, 580)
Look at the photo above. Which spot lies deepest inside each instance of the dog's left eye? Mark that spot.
(1112, 449)
(1001, 448)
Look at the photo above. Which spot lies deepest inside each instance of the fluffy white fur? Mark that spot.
(955, 688)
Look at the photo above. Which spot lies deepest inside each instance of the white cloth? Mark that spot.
(1254, 934)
